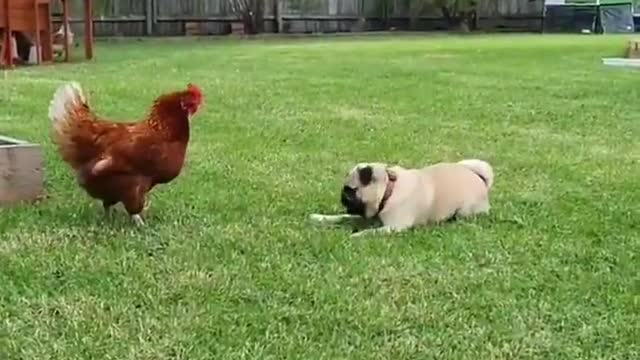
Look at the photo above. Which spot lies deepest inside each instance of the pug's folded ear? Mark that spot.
(380, 169)
(393, 176)
(365, 175)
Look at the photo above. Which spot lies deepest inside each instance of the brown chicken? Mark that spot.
(121, 162)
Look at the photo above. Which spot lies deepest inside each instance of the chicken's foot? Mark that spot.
(137, 219)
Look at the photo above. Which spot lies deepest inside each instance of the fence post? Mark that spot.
(279, 8)
(148, 17)
(387, 12)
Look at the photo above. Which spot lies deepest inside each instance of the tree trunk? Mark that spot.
(463, 25)
(247, 21)
(258, 15)
(277, 16)
(385, 14)
(414, 16)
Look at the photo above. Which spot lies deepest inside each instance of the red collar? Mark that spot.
(388, 191)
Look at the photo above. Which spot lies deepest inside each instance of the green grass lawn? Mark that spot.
(229, 267)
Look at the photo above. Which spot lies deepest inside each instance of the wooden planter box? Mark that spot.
(21, 174)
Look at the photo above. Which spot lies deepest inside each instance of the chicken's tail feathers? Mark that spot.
(66, 99)
(482, 168)
(67, 111)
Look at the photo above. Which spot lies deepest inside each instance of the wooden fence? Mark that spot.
(172, 17)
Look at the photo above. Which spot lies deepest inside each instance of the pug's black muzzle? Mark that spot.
(351, 202)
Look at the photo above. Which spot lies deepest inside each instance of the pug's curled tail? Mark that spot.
(480, 167)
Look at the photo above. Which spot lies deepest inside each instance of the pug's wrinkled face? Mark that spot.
(364, 188)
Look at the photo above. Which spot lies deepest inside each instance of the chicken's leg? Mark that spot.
(147, 205)
(135, 211)
(135, 199)
(108, 205)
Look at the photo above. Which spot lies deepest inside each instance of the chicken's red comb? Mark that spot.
(194, 90)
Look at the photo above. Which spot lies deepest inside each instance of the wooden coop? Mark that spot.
(32, 19)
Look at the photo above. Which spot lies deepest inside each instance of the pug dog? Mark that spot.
(405, 198)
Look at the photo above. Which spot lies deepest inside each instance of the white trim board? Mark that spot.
(626, 62)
